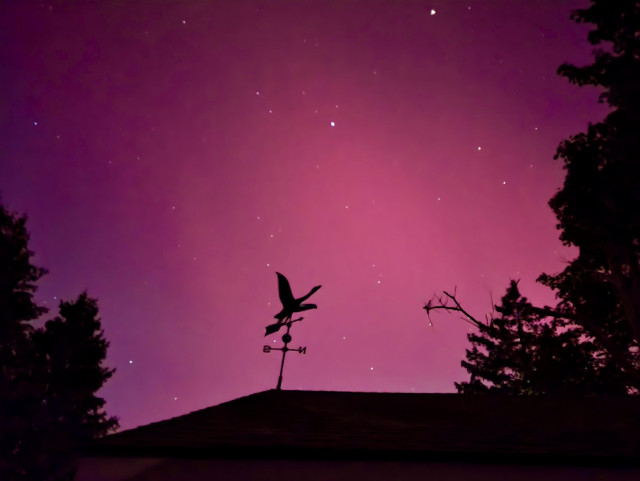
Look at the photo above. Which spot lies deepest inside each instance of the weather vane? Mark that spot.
(290, 305)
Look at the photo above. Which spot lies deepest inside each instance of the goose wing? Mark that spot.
(304, 298)
(284, 290)
(306, 307)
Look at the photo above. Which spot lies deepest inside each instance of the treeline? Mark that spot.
(49, 376)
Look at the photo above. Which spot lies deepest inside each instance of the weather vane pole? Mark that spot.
(289, 306)
(286, 339)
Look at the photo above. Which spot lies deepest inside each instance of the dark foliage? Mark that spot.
(71, 348)
(48, 376)
(524, 350)
(598, 207)
(19, 388)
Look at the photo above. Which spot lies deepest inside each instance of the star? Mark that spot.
(432, 12)
(333, 124)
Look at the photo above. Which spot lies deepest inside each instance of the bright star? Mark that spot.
(333, 124)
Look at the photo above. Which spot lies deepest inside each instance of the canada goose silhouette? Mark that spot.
(290, 304)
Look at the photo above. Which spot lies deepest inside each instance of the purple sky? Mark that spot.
(171, 158)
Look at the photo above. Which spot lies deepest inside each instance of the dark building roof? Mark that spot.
(357, 425)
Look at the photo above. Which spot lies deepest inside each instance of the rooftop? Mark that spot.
(357, 425)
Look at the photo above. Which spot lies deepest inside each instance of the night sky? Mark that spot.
(171, 157)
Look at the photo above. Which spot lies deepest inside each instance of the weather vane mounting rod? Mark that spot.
(286, 339)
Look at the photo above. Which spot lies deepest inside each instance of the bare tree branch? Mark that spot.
(443, 303)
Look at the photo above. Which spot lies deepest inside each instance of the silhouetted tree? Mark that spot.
(48, 376)
(523, 350)
(19, 388)
(72, 350)
(598, 207)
